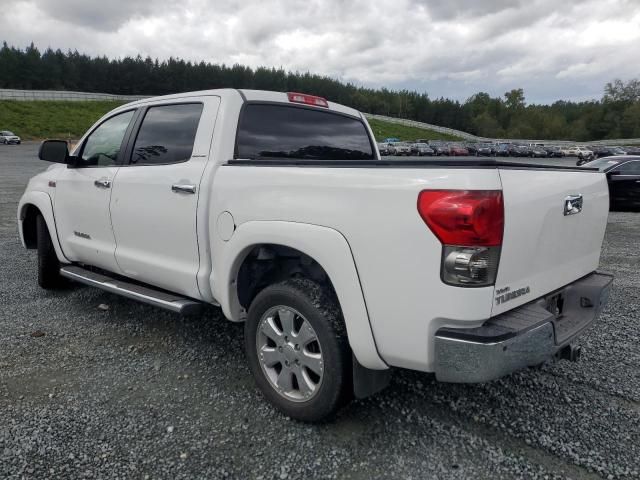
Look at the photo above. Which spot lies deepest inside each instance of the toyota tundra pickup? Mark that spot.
(277, 208)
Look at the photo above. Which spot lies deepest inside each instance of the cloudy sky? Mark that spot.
(554, 49)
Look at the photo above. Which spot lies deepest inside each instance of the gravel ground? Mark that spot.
(136, 392)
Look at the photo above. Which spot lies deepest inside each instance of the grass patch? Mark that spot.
(382, 130)
(51, 119)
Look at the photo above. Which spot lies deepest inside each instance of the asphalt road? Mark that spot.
(136, 392)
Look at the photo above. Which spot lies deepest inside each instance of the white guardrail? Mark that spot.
(34, 95)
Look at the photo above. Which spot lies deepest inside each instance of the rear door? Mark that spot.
(155, 198)
(549, 240)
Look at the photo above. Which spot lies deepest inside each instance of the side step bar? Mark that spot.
(157, 298)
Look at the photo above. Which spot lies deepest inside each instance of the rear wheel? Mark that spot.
(48, 264)
(297, 348)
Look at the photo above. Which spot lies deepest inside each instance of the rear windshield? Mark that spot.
(281, 131)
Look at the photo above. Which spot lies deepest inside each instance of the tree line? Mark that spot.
(615, 115)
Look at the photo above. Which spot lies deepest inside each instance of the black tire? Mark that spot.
(48, 265)
(320, 308)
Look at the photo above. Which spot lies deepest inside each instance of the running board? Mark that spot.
(157, 298)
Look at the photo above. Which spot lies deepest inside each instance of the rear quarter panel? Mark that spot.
(396, 255)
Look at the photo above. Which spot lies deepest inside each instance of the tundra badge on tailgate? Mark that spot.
(505, 294)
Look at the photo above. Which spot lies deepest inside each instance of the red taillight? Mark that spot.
(307, 99)
(464, 217)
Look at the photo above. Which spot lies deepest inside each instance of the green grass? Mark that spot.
(51, 119)
(382, 130)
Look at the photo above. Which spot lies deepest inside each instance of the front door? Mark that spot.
(83, 192)
(155, 198)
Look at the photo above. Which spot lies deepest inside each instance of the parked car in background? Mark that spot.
(553, 151)
(632, 150)
(623, 178)
(391, 148)
(402, 148)
(458, 151)
(580, 152)
(607, 151)
(440, 149)
(566, 151)
(421, 149)
(9, 138)
(538, 152)
(472, 147)
(503, 149)
(484, 150)
(584, 152)
(384, 149)
(520, 151)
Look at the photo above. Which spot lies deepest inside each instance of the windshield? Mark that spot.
(7, 133)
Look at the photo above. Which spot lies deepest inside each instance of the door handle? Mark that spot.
(183, 188)
(102, 183)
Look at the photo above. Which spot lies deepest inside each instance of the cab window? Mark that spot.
(102, 147)
(167, 134)
(271, 132)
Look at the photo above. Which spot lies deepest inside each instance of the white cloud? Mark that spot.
(552, 49)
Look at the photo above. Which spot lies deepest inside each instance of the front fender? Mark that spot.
(327, 247)
(42, 201)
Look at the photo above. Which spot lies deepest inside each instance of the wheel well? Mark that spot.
(29, 231)
(268, 263)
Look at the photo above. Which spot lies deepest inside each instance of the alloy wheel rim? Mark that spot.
(290, 354)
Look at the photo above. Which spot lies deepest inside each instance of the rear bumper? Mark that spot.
(525, 336)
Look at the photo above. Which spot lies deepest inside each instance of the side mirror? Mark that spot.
(56, 151)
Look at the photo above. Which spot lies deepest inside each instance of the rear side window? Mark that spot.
(167, 134)
(281, 131)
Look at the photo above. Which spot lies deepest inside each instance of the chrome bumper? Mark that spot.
(525, 336)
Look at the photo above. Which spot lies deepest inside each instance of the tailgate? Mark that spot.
(543, 249)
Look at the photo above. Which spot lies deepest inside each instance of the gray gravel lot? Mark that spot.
(136, 392)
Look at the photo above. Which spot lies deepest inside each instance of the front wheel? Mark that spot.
(297, 347)
(48, 265)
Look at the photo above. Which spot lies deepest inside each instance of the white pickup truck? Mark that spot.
(278, 208)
